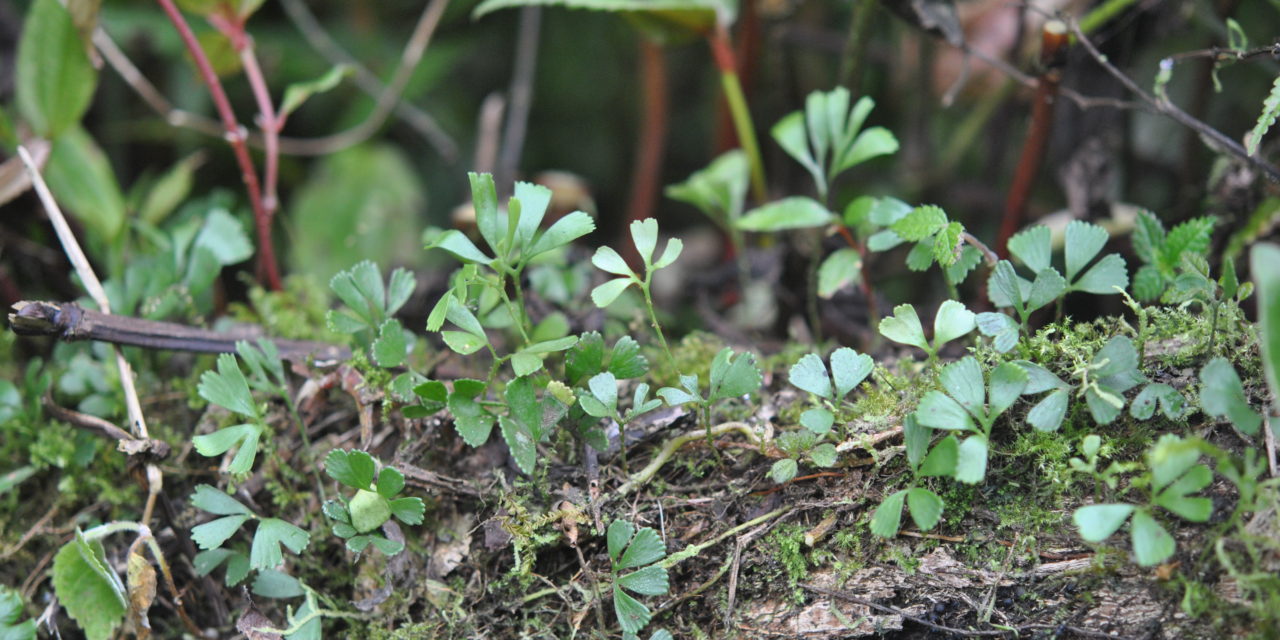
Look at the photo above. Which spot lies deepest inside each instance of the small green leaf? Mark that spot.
(298, 92)
(670, 254)
(457, 244)
(951, 322)
(632, 615)
(273, 532)
(1151, 543)
(408, 510)
(604, 388)
(390, 482)
(212, 534)
(617, 536)
(354, 469)
(562, 232)
(1047, 415)
(733, 376)
(87, 588)
(1083, 242)
(1171, 402)
(10, 612)
(217, 502)
(368, 510)
(1049, 286)
(1148, 284)
(904, 327)
(646, 547)
(939, 411)
(795, 212)
(1264, 261)
(818, 421)
(649, 581)
(1097, 522)
(391, 346)
(783, 470)
(228, 388)
(824, 455)
(1222, 395)
(644, 233)
(626, 361)
(608, 260)
(270, 583)
(839, 270)
(888, 516)
(605, 294)
(471, 420)
(1007, 382)
(1000, 327)
(849, 368)
(963, 381)
(925, 507)
(219, 442)
(810, 374)
(1148, 237)
(1034, 247)
(169, 190)
(1104, 277)
(520, 440)
(54, 77)
(971, 460)
(941, 460)
(921, 223)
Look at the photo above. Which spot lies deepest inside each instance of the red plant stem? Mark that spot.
(1053, 41)
(235, 135)
(646, 170)
(722, 51)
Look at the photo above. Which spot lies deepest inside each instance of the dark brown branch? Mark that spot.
(69, 321)
(153, 449)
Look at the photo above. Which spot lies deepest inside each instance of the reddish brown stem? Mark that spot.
(1053, 42)
(235, 134)
(646, 172)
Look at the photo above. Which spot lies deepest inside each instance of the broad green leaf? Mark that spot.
(1148, 284)
(390, 482)
(524, 364)
(876, 141)
(817, 420)
(963, 381)
(1049, 286)
(460, 315)
(644, 233)
(1007, 383)
(939, 411)
(354, 469)
(921, 257)
(217, 502)
(795, 212)
(719, 190)
(1151, 543)
(484, 197)
(790, 135)
(883, 240)
(1104, 277)
(10, 612)
(1171, 402)
(390, 348)
(272, 532)
(824, 455)
(626, 361)
(1004, 287)
(782, 471)
(925, 507)
(969, 260)
(408, 510)
(87, 588)
(1039, 379)
(669, 254)
(462, 342)
(433, 397)
(1264, 261)
(951, 322)
(534, 200)
(849, 368)
(607, 259)
(1047, 415)
(916, 438)
(839, 270)
(649, 581)
(1034, 247)
(604, 387)
(605, 294)
(387, 547)
(971, 460)
(520, 440)
(887, 518)
(400, 287)
(941, 460)
(80, 177)
(297, 93)
(1176, 496)
(457, 243)
(1148, 237)
(54, 78)
(228, 388)
(1001, 328)
(1222, 395)
(617, 536)
(562, 232)
(1105, 404)
(1083, 242)
(369, 511)
(810, 374)
(904, 327)
(270, 583)
(1117, 357)
(212, 534)
(646, 547)
(733, 376)
(1171, 457)
(632, 615)
(1188, 238)
(470, 417)
(675, 397)
(921, 223)
(1097, 522)
(586, 358)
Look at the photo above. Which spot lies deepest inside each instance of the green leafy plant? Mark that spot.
(370, 306)
(1222, 396)
(644, 233)
(952, 321)
(848, 370)
(1112, 372)
(925, 505)
(1173, 474)
(602, 402)
(514, 238)
(1264, 261)
(970, 406)
(719, 191)
(729, 377)
(936, 238)
(800, 444)
(228, 388)
(373, 504)
(643, 551)
(12, 627)
(1092, 451)
(1270, 110)
(1162, 252)
(265, 551)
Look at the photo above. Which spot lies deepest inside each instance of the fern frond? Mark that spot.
(1270, 109)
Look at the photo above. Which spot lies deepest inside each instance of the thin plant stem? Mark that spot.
(236, 136)
(653, 321)
(722, 51)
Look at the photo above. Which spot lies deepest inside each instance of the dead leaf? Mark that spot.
(141, 577)
(251, 621)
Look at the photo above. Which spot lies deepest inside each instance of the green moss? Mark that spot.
(787, 543)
